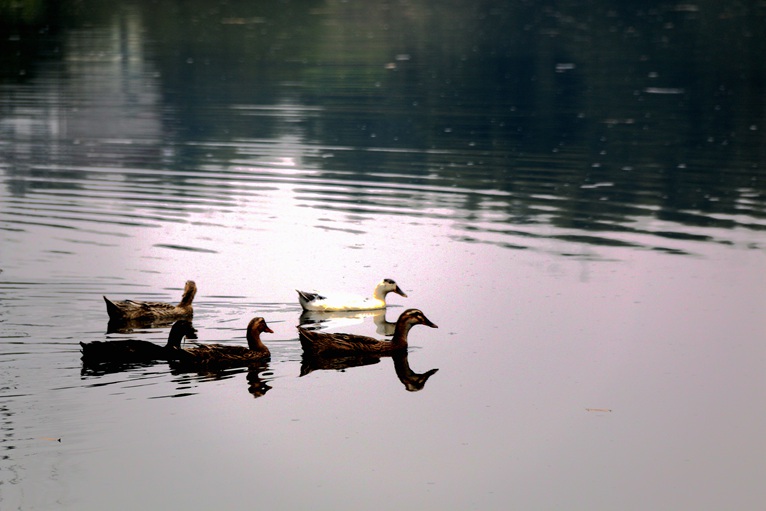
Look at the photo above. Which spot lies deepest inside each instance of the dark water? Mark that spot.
(574, 192)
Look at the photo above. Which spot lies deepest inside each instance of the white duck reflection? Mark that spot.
(339, 319)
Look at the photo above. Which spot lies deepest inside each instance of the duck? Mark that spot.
(223, 355)
(132, 350)
(130, 310)
(319, 302)
(337, 344)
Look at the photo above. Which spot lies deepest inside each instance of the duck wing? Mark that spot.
(113, 309)
(131, 309)
(219, 356)
(150, 306)
(321, 343)
(123, 307)
(217, 350)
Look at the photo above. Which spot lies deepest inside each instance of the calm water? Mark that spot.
(575, 193)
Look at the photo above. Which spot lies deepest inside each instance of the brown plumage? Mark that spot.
(131, 350)
(130, 310)
(332, 344)
(223, 355)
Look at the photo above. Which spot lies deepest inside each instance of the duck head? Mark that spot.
(386, 286)
(190, 290)
(412, 317)
(254, 329)
(258, 325)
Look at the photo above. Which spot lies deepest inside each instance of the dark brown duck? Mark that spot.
(133, 350)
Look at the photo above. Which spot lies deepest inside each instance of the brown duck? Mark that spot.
(132, 350)
(223, 355)
(332, 344)
(129, 310)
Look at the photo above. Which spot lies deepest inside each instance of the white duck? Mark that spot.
(318, 302)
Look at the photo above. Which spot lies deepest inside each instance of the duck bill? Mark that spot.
(192, 334)
(268, 330)
(429, 323)
(399, 291)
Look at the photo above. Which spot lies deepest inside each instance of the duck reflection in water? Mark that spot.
(258, 378)
(340, 351)
(411, 380)
(339, 319)
(128, 326)
(258, 375)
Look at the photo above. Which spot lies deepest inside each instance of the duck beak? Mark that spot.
(427, 322)
(399, 291)
(267, 329)
(192, 334)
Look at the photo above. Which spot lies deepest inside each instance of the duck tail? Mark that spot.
(112, 309)
(303, 335)
(88, 349)
(307, 339)
(304, 297)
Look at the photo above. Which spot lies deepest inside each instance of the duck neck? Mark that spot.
(400, 334)
(254, 341)
(379, 294)
(174, 341)
(188, 296)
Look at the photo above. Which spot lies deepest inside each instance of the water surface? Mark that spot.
(575, 196)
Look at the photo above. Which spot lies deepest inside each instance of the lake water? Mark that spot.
(575, 194)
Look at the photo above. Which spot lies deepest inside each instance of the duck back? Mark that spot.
(123, 351)
(220, 356)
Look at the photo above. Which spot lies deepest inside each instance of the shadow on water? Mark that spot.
(632, 127)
